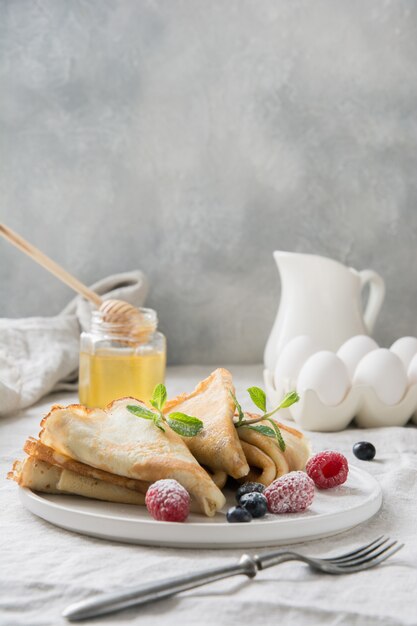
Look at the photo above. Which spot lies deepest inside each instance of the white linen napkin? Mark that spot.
(39, 355)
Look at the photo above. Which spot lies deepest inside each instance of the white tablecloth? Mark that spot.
(44, 568)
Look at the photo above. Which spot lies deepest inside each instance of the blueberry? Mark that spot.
(364, 450)
(255, 503)
(248, 488)
(237, 514)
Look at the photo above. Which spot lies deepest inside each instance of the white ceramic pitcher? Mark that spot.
(321, 297)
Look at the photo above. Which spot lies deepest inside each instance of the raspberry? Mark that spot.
(328, 469)
(292, 493)
(168, 501)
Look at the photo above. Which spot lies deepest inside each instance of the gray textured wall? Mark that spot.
(192, 138)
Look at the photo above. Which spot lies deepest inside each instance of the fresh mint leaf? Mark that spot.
(139, 411)
(278, 435)
(186, 419)
(289, 399)
(238, 407)
(184, 425)
(261, 428)
(159, 396)
(258, 397)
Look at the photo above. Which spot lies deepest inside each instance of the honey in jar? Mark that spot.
(119, 360)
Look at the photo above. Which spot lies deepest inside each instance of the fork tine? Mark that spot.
(354, 552)
(369, 557)
(368, 564)
(361, 552)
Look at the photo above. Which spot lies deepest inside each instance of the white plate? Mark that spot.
(332, 511)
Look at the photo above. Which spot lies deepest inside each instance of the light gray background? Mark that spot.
(192, 138)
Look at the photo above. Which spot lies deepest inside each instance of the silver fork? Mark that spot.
(357, 560)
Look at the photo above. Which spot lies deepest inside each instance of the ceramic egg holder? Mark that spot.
(360, 402)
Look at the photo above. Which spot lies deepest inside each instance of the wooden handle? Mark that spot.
(49, 265)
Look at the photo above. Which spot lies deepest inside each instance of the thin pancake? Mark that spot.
(37, 449)
(267, 445)
(217, 445)
(116, 441)
(35, 474)
(296, 453)
(262, 468)
(71, 482)
(297, 447)
(42, 476)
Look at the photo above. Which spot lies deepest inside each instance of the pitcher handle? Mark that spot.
(376, 296)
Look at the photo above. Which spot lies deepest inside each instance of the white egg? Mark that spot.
(290, 360)
(384, 371)
(326, 374)
(412, 371)
(405, 348)
(353, 351)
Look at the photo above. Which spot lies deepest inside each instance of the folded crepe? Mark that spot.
(267, 461)
(49, 471)
(43, 476)
(38, 450)
(262, 467)
(217, 445)
(117, 443)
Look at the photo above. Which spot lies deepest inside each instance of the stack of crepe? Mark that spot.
(217, 446)
(242, 453)
(110, 454)
(267, 461)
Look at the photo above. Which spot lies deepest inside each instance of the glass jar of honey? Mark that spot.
(118, 359)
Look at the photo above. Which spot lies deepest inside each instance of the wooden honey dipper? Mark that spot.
(127, 317)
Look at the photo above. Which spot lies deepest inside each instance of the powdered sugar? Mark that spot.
(168, 501)
(291, 493)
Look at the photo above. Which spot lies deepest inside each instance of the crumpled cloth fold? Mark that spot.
(39, 355)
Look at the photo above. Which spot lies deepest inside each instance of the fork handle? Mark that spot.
(150, 592)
